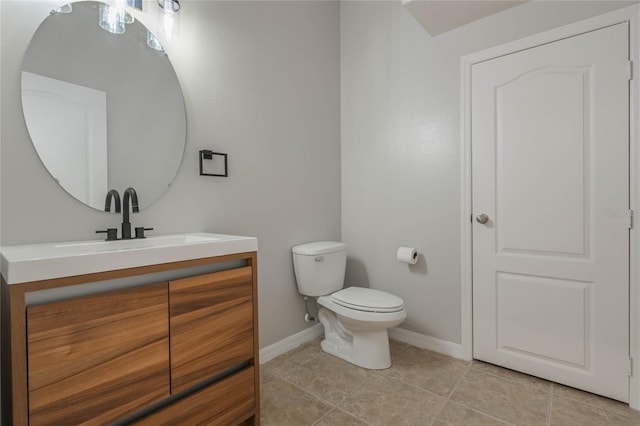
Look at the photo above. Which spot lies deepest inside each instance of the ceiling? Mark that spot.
(439, 16)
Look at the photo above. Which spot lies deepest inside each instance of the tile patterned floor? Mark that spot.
(309, 387)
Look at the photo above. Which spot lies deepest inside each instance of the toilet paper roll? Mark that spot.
(408, 255)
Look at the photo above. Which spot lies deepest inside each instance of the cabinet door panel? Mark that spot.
(226, 402)
(96, 358)
(211, 325)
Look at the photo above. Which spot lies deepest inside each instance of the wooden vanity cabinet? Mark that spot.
(180, 352)
(211, 325)
(96, 358)
(229, 401)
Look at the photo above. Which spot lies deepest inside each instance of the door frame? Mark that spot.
(631, 15)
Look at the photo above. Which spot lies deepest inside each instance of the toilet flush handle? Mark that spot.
(319, 259)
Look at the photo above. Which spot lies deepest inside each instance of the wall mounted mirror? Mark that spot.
(104, 110)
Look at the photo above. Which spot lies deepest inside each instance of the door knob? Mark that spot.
(482, 218)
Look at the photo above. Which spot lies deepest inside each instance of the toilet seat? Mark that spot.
(367, 300)
(370, 317)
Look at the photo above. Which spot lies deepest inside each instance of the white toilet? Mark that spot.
(355, 319)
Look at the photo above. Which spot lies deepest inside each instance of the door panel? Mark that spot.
(550, 155)
(560, 334)
(524, 145)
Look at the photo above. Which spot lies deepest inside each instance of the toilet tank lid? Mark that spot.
(319, 247)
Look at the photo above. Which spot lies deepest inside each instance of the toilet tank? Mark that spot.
(320, 267)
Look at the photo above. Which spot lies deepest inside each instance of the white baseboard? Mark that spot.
(405, 336)
(426, 342)
(285, 345)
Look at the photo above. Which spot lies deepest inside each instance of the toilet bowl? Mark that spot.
(355, 319)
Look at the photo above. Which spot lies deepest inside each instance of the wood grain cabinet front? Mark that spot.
(94, 359)
(185, 350)
(230, 401)
(211, 325)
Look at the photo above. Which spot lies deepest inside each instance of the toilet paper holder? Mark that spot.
(407, 255)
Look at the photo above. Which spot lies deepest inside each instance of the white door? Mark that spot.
(68, 126)
(550, 155)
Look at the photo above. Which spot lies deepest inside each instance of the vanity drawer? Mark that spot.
(210, 325)
(227, 402)
(93, 359)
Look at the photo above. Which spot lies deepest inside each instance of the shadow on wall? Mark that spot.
(356, 274)
(420, 267)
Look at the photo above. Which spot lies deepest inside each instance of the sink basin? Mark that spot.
(35, 262)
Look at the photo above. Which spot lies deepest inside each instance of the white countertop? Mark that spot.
(35, 262)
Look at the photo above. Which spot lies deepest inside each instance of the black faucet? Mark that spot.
(112, 194)
(129, 194)
(112, 233)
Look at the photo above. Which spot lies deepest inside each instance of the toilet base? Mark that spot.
(364, 348)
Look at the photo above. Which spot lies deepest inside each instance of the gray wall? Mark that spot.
(400, 92)
(261, 83)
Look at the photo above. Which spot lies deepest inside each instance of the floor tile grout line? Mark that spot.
(333, 406)
(369, 375)
(470, 367)
(345, 412)
(389, 376)
(499, 419)
(447, 398)
(295, 364)
(325, 415)
(457, 384)
(313, 395)
(550, 405)
(415, 386)
(319, 398)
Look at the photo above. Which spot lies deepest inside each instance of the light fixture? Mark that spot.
(153, 42)
(168, 20)
(121, 6)
(128, 18)
(111, 18)
(169, 6)
(168, 24)
(64, 9)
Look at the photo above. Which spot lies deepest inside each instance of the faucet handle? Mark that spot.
(140, 231)
(112, 233)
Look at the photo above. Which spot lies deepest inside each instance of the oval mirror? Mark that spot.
(103, 105)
